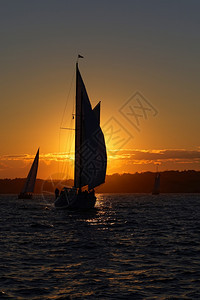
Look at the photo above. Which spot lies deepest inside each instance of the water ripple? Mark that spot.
(131, 247)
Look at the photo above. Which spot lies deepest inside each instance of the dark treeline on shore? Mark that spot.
(171, 182)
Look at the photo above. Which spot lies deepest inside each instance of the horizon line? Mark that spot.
(121, 174)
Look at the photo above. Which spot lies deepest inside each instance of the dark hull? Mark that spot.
(24, 196)
(81, 201)
(155, 193)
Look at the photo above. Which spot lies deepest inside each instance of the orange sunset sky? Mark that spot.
(141, 59)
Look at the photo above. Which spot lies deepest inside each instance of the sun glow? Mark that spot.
(60, 165)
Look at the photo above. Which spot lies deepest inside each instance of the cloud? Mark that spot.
(3, 166)
(16, 157)
(125, 160)
(147, 156)
(62, 156)
(18, 165)
(136, 155)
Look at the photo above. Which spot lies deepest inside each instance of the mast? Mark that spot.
(76, 126)
(78, 133)
(81, 140)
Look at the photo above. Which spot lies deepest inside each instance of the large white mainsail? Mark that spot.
(90, 149)
(31, 178)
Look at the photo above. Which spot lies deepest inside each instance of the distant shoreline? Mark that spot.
(171, 182)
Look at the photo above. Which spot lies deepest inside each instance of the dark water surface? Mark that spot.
(131, 247)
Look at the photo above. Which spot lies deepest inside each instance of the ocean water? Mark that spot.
(131, 247)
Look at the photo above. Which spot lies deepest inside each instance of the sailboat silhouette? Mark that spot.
(90, 153)
(29, 185)
(156, 188)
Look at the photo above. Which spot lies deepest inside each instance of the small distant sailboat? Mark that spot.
(156, 189)
(28, 188)
(90, 153)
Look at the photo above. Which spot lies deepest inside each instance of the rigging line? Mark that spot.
(70, 88)
(67, 99)
(69, 145)
(67, 128)
(67, 165)
(67, 149)
(58, 168)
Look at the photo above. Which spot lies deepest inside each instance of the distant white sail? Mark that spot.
(156, 189)
(31, 178)
(90, 149)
